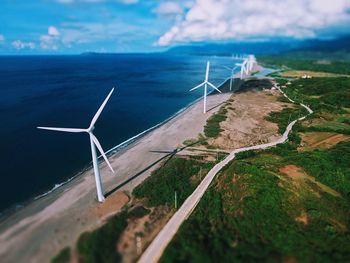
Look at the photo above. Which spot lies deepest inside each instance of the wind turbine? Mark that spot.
(93, 143)
(251, 62)
(244, 68)
(206, 83)
(232, 71)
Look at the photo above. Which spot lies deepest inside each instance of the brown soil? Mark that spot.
(300, 73)
(321, 140)
(303, 218)
(293, 171)
(57, 220)
(300, 177)
(113, 204)
(290, 260)
(145, 228)
(246, 124)
(339, 225)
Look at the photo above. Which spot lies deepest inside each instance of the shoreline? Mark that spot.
(110, 152)
(154, 251)
(69, 210)
(16, 207)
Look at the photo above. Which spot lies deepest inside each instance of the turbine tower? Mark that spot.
(251, 62)
(93, 143)
(231, 78)
(244, 68)
(205, 84)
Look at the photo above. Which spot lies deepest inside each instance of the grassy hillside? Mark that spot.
(151, 198)
(322, 64)
(288, 203)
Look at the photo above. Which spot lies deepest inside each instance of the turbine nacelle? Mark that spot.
(205, 84)
(94, 143)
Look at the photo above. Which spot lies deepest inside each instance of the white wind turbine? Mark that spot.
(93, 142)
(206, 83)
(251, 62)
(244, 68)
(231, 78)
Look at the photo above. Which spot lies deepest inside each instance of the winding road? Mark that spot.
(161, 241)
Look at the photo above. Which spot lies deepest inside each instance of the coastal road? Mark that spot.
(155, 250)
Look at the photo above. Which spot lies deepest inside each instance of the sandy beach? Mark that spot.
(42, 228)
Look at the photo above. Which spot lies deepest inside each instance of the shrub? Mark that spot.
(63, 256)
(100, 244)
(212, 128)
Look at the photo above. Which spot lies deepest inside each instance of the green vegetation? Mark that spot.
(63, 256)
(323, 94)
(255, 212)
(212, 128)
(329, 98)
(138, 212)
(285, 61)
(251, 214)
(201, 140)
(100, 244)
(284, 117)
(177, 175)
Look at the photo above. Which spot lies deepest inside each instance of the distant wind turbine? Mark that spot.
(251, 62)
(93, 142)
(231, 78)
(243, 66)
(205, 84)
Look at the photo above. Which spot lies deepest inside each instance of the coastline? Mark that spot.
(123, 146)
(74, 198)
(110, 152)
(155, 250)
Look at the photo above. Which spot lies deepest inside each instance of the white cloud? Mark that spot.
(18, 44)
(128, 2)
(50, 41)
(168, 8)
(52, 31)
(2, 38)
(253, 19)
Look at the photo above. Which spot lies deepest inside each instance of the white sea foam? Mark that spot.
(125, 144)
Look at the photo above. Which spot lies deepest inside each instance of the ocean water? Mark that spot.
(66, 91)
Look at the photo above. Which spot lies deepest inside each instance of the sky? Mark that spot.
(76, 26)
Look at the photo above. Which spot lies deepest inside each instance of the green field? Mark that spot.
(253, 211)
(319, 65)
(178, 175)
(258, 210)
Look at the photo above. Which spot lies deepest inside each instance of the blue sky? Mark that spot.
(75, 26)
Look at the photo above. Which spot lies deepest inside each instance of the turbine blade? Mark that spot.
(99, 147)
(227, 67)
(62, 129)
(211, 85)
(94, 119)
(198, 86)
(207, 71)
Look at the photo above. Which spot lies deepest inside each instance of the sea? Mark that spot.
(66, 91)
